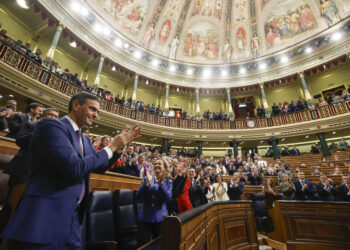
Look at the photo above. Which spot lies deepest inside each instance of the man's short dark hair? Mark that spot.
(84, 129)
(49, 109)
(81, 97)
(33, 105)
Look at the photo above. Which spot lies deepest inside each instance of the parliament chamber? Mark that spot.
(217, 124)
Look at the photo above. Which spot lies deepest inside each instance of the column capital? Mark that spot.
(301, 74)
(261, 85)
(137, 74)
(60, 26)
(348, 55)
(167, 85)
(103, 57)
(228, 90)
(197, 90)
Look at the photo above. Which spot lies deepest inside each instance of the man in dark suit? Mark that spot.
(294, 151)
(304, 188)
(285, 151)
(344, 189)
(19, 120)
(54, 203)
(196, 191)
(326, 189)
(235, 187)
(254, 177)
(6, 113)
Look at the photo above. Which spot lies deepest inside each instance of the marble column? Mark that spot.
(165, 145)
(231, 115)
(235, 148)
(166, 106)
(263, 95)
(307, 94)
(200, 148)
(198, 109)
(134, 93)
(276, 153)
(50, 54)
(324, 145)
(99, 70)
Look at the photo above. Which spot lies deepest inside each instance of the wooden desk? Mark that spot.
(315, 225)
(112, 181)
(8, 149)
(218, 225)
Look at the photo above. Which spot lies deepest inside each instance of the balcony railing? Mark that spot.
(42, 75)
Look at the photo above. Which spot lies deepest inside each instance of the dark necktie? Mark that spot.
(81, 152)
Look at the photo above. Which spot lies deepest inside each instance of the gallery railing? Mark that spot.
(44, 76)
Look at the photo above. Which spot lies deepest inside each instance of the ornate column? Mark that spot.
(308, 97)
(276, 154)
(99, 70)
(231, 115)
(324, 145)
(165, 145)
(50, 54)
(235, 148)
(266, 106)
(198, 109)
(200, 148)
(136, 81)
(166, 106)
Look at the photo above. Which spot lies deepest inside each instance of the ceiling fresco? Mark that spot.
(219, 31)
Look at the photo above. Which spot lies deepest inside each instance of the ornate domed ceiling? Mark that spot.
(219, 31)
(210, 43)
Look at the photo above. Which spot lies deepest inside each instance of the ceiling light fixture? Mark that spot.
(126, 45)
(147, 82)
(262, 66)
(337, 36)
(189, 71)
(118, 42)
(177, 89)
(73, 44)
(113, 68)
(84, 11)
(207, 72)
(306, 137)
(155, 62)
(334, 132)
(106, 31)
(224, 72)
(308, 50)
(23, 4)
(242, 70)
(10, 95)
(284, 59)
(172, 68)
(137, 54)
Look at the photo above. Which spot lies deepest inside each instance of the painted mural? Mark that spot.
(329, 11)
(130, 14)
(263, 3)
(287, 20)
(202, 42)
(346, 5)
(207, 8)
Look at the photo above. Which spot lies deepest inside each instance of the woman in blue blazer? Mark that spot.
(154, 193)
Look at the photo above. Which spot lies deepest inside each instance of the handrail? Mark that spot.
(41, 74)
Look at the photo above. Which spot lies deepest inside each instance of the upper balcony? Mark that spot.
(27, 77)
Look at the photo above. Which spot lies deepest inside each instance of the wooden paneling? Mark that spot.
(112, 181)
(221, 225)
(316, 225)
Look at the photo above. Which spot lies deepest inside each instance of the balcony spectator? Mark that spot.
(36, 56)
(294, 151)
(103, 93)
(184, 114)
(343, 144)
(6, 113)
(285, 151)
(329, 99)
(275, 109)
(151, 109)
(336, 99)
(322, 102)
(288, 188)
(293, 107)
(18, 45)
(301, 104)
(326, 189)
(159, 110)
(261, 111)
(27, 48)
(3, 35)
(190, 116)
(269, 193)
(345, 95)
(122, 101)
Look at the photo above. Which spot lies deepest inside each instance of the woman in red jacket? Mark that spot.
(181, 185)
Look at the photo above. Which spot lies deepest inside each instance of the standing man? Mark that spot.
(326, 189)
(54, 202)
(304, 188)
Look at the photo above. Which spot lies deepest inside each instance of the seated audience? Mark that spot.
(285, 151)
(154, 193)
(235, 188)
(326, 189)
(344, 189)
(294, 151)
(337, 171)
(314, 150)
(304, 188)
(220, 169)
(283, 171)
(269, 192)
(207, 189)
(220, 189)
(288, 188)
(343, 144)
(316, 172)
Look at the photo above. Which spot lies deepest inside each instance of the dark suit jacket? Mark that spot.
(343, 193)
(57, 173)
(255, 181)
(324, 194)
(235, 192)
(306, 194)
(18, 168)
(16, 124)
(197, 195)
